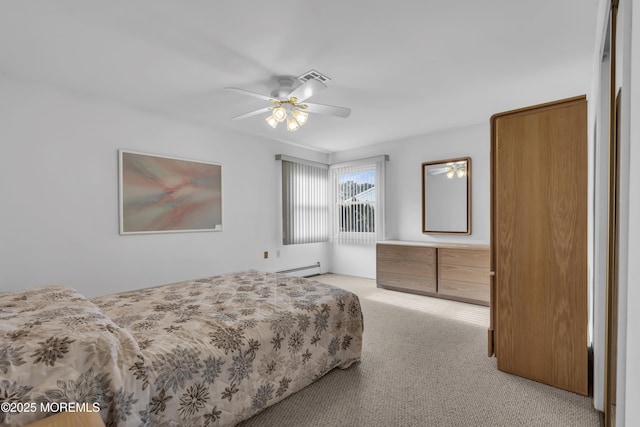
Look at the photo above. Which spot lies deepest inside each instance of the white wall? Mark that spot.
(404, 190)
(628, 413)
(598, 104)
(628, 68)
(59, 192)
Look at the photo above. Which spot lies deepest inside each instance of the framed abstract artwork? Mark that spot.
(168, 195)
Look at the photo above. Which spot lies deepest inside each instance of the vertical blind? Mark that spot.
(305, 210)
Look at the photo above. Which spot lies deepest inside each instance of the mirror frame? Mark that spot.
(424, 196)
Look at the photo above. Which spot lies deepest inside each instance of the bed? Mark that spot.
(206, 352)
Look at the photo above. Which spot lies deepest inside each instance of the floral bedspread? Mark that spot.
(57, 347)
(207, 352)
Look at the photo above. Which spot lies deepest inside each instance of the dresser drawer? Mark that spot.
(407, 267)
(469, 257)
(463, 273)
(406, 281)
(407, 253)
(472, 291)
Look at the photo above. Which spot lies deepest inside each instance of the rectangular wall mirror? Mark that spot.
(446, 196)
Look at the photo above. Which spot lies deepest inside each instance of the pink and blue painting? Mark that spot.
(163, 194)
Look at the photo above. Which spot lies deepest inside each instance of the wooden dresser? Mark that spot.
(452, 271)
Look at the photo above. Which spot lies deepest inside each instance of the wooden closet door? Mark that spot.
(539, 243)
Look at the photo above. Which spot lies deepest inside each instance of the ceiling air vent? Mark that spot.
(313, 75)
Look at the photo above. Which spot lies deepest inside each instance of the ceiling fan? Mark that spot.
(451, 169)
(288, 103)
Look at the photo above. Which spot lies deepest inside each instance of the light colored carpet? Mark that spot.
(424, 363)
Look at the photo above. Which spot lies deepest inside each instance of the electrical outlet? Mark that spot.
(277, 253)
(266, 254)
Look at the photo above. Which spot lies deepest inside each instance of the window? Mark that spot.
(305, 210)
(358, 200)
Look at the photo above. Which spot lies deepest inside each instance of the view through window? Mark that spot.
(356, 200)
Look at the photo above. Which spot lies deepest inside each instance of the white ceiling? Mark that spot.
(404, 67)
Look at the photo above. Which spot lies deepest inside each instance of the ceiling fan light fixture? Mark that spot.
(450, 172)
(292, 124)
(300, 116)
(280, 114)
(461, 172)
(288, 102)
(272, 121)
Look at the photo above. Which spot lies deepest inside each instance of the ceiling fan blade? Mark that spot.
(247, 92)
(252, 113)
(307, 90)
(328, 109)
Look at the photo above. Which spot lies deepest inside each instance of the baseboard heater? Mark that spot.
(306, 271)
